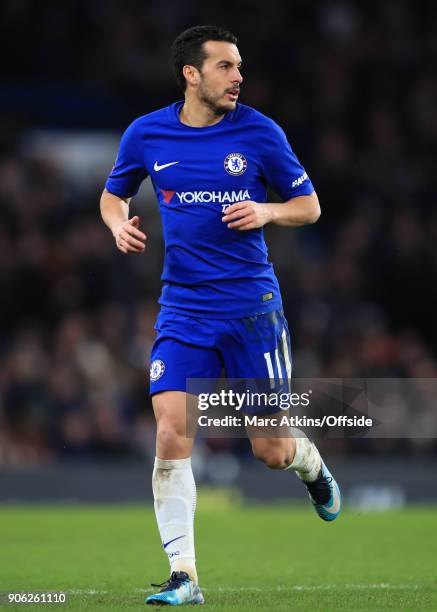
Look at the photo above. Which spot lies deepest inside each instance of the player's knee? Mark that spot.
(273, 458)
(169, 440)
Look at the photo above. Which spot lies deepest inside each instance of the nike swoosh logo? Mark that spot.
(170, 541)
(336, 502)
(157, 167)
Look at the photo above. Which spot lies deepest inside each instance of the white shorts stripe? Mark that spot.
(286, 353)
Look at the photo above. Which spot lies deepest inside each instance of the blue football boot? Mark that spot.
(325, 495)
(179, 589)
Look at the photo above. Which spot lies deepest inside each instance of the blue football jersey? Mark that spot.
(210, 270)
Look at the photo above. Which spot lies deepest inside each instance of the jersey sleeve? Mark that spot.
(129, 169)
(282, 170)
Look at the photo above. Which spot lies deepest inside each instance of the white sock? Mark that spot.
(307, 461)
(174, 492)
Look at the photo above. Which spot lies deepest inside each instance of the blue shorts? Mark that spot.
(188, 347)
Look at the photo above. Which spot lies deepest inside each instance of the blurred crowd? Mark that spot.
(353, 85)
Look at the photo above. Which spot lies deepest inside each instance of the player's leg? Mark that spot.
(260, 349)
(307, 463)
(173, 361)
(174, 489)
(292, 450)
(174, 492)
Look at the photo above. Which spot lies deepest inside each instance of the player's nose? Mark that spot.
(237, 77)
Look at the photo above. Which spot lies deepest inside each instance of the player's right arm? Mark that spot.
(123, 183)
(115, 214)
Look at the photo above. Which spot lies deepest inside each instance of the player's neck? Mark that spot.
(197, 114)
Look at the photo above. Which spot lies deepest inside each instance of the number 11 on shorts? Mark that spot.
(268, 358)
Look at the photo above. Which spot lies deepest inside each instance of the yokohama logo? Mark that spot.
(204, 197)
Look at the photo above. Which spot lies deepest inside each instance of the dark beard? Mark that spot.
(218, 111)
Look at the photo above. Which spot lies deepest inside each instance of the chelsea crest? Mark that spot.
(235, 164)
(157, 369)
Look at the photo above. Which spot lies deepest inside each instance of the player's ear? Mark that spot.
(191, 74)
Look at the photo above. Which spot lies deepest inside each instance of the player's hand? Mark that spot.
(247, 215)
(129, 238)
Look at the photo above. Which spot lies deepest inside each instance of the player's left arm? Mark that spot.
(248, 215)
(285, 174)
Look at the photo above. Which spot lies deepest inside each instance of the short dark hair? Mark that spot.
(187, 49)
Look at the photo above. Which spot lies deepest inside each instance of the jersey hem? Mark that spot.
(113, 191)
(168, 387)
(199, 314)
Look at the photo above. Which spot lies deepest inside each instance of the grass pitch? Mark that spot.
(249, 558)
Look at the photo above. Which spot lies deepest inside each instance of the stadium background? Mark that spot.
(353, 85)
